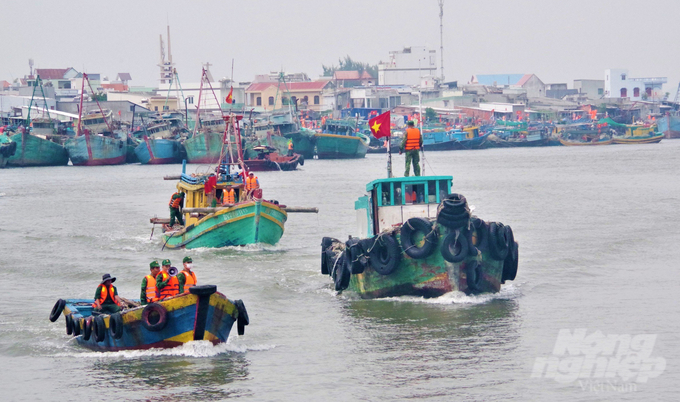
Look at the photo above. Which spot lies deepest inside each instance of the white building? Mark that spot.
(617, 84)
(408, 67)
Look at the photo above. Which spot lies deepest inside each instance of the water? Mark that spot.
(598, 234)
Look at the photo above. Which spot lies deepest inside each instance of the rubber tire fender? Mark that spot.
(301, 160)
(451, 224)
(76, 327)
(454, 215)
(69, 324)
(498, 245)
(449, 246)
(510, 264)
(412, 226)
(384, 255)
(480, 228)
(454, 200)
(355, 251)
(203, 290)
(242, 320)
(474, 271)
(57, 309)
(325, 243)
(343, 272)
(116, 325)
(162, 317)
(87, 328)
(99, 328)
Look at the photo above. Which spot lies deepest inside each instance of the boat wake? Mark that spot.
(189, 349)
(508, 292)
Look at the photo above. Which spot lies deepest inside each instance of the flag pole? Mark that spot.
(389, 155)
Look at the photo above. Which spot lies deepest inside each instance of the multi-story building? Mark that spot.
(408, 66)
(617, 84)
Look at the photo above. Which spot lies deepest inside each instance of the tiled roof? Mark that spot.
(51, 73)
(351, 75)
(116, 87)
(524, 79)
(290, 86)
(5, 84)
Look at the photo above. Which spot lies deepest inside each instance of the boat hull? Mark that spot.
(190, 317)
(589, 143)
(153, 151)
(36, 151)
(303, 143)
(669, 125)
(96, 150)
(204, 147)
(245, 223)
(274, 163)
(644, 140)
(333, 146)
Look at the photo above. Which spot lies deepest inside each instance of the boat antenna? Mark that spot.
(28, 118)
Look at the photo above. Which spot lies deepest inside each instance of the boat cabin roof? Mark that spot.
(408, 180)
(410, 190)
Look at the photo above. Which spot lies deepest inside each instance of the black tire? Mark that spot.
(343, 273)
(355, 252)
(69, 324)
(455, 247)
(452, 224)
(87, 328)
(57, 309)
(154, 317)
(474, 276)
(76, 327)
(99, 328)
(325, 243)
(498, 242)
(203, 290)
(409, 229)
(454, 201)
(116, 325)
(480, 230)
(454, 215)
(384, 255)
(242, 320)
(510, 264)
(301, 160)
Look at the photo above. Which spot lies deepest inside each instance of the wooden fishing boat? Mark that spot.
(653, 139)
(303, 142)
(32, 150)
(268, 160)
(201, 315)
(339, 140)
(595, 141)
(7, 149)
(96, 121)
(96, 150)
(417, 239)
(159, 151)
(669, 125)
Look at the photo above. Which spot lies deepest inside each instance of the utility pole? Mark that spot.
(441, 36)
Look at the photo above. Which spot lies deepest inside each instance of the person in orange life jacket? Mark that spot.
(252, 183)
(412, 144)
(168, 286)
(229, 196)
(149, 291)
(290, 147)
(106, 300)
(186, 277)
(176, 204)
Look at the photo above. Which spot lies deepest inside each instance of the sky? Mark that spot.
(557, 40)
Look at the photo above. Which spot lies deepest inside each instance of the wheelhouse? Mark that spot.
(391, 202)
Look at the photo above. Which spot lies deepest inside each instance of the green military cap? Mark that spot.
(166, 262)
(410, 123)
(187, 259)
(154, 264)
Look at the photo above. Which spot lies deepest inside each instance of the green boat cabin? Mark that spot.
(391, 202)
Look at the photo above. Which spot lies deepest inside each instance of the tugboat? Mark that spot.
(419, 239)
(201, 315)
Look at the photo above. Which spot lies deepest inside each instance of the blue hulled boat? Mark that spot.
(203, 314)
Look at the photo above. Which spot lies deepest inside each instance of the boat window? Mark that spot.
(415, 193)
(386, 194)
(443, 190)
(397, 193)
(432, 192)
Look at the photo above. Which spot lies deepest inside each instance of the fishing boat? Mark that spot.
(651, 139)
(418, 239)
(514, 137)
(263, 134)
(33, 150)
(268, 159)
(204, 147)
(96, 121)
(669, 125)
(159, 151)
(339, 140)
(203, 314)
(633, 133)
(594, 141)
(303, 142)
(7, 149)
(439, 140)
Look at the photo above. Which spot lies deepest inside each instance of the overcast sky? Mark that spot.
(557, 40)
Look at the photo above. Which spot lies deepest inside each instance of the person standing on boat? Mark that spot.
(229, 196)
(106, 300)
(412, 144)
(176, 204)
(252, 183)
(149, 291)
(168, 285)
(187, 278)
(290, 147)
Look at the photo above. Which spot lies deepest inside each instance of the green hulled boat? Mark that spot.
(7, 149)
(339, 140)
(204, 147)
(33, 150)
(417, 239)
(303, 142)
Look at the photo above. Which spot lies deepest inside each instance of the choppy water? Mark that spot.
(598, 234)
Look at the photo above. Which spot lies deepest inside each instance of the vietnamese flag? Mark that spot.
(380, 125)
(230, 99)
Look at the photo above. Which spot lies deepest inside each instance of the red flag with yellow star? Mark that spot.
(229, 98)
(380, 125)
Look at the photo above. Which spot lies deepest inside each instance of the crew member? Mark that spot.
(412, 144)
(149, 291)
(106, 300)
(290, 147)
(168, 285)
(251, 183)
(187, 278)
(176, 205)
(229, 196)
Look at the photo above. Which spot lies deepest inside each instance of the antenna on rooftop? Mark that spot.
(30, 66)
(441, 36)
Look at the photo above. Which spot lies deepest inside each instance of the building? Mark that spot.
(617, 84)
(534, 87)
(408, 66)
(124, 78)
(348, 79)
(558, 91)
(591, 89)
(274, 95)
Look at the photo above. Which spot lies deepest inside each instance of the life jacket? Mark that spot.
(151, 291)
(290, 146)
(175, 201)
(412, 139)
(229, 196)
(171, 288)
(189, 279)
(251, 183)
(107, 294)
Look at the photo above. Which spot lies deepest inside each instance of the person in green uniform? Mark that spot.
(412, 144)
(164, 280)
(186, 277)
(149, 289)
(176, 206)
(106, 300)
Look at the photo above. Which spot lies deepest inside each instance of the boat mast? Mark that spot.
(441, 36)
(80, 108)
(198, 108)
(98, 105)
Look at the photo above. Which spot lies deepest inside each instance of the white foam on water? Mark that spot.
(189, 349)
(507, 292)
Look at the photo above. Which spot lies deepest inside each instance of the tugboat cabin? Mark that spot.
(391, 202)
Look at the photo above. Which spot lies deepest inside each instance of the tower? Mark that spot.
(166, 66)
(441, 36)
